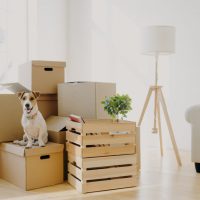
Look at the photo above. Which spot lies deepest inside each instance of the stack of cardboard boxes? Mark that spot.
(38, 167)
(35, 167)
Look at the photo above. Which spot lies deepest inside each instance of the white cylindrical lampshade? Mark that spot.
(158, 40)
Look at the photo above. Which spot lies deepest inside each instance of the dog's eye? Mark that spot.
(24, 98)
(31, 99)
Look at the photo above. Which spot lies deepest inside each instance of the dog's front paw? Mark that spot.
(29, 145)
(41, 144)
(16, 142)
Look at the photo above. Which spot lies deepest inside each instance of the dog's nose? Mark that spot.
(27, 105)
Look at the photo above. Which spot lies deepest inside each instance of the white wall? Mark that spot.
(104, 40)
(51, 29)
(13, 20)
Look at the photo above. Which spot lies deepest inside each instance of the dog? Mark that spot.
(34, 125)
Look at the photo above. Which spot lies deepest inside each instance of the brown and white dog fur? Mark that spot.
(34, 125)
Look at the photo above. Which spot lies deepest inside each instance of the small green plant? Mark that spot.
(117, 105)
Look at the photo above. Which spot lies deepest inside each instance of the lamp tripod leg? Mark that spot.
(155, 129)
(169, 126)
(159, 128)
(145, 106)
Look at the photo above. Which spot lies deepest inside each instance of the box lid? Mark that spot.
(85, 82)
(35, 150)
(44, 63)
(14, 87)
(56, 123)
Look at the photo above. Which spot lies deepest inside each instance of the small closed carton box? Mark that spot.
(84, 99)
(31, 168)
(42, 76)
(56, 127)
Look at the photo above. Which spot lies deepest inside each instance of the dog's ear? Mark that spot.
(20, 94)
(36, 94)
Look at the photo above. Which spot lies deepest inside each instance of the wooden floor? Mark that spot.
(160, 178)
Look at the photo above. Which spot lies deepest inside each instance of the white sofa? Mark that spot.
(192, 115)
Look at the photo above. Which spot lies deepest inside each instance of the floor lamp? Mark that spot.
(159, 40)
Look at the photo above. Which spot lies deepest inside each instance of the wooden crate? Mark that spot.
(101, 155)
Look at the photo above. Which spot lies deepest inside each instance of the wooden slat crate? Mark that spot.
(101, 155)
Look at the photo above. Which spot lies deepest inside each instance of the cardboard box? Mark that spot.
(11, 114)
(32, 168)
(10, 118)
(56, 127)
(42, 76)
(48, 105)
(84, 99)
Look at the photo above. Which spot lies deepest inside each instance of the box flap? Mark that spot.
(56, 123)
(14, 87)
(12, 148)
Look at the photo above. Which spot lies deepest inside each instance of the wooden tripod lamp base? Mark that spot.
(159, 100)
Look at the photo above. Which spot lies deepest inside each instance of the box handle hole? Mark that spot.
(44, 157)
(49, 69)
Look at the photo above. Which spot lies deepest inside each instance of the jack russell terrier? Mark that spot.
(34, 125)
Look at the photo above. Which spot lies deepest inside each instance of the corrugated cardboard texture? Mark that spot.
(103, 90)
(76, 98)
(13, 169)
(54, 125)
(10, 118)
(48, 107)
(11, 114)
(42, 76)
(84, 99)
(37, 167)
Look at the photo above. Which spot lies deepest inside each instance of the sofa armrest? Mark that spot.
(192, 114)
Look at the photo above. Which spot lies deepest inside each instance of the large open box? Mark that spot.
(56, 127)
(84, 99)
(102, 155)
(31, 168)
(10, 118)
(11, 114)
(42, 76)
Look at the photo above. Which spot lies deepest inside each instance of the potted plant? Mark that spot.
(117, 106)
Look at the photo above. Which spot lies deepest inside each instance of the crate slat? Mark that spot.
(109, 184)
(107, 127)
(75, 159)
(74, 125)
(75, 171)
(73, 137)
(73, 149)
(108, 139)
(108, 161)
(100, 151)
(108, 151)
(75, 182)
(109, 172)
